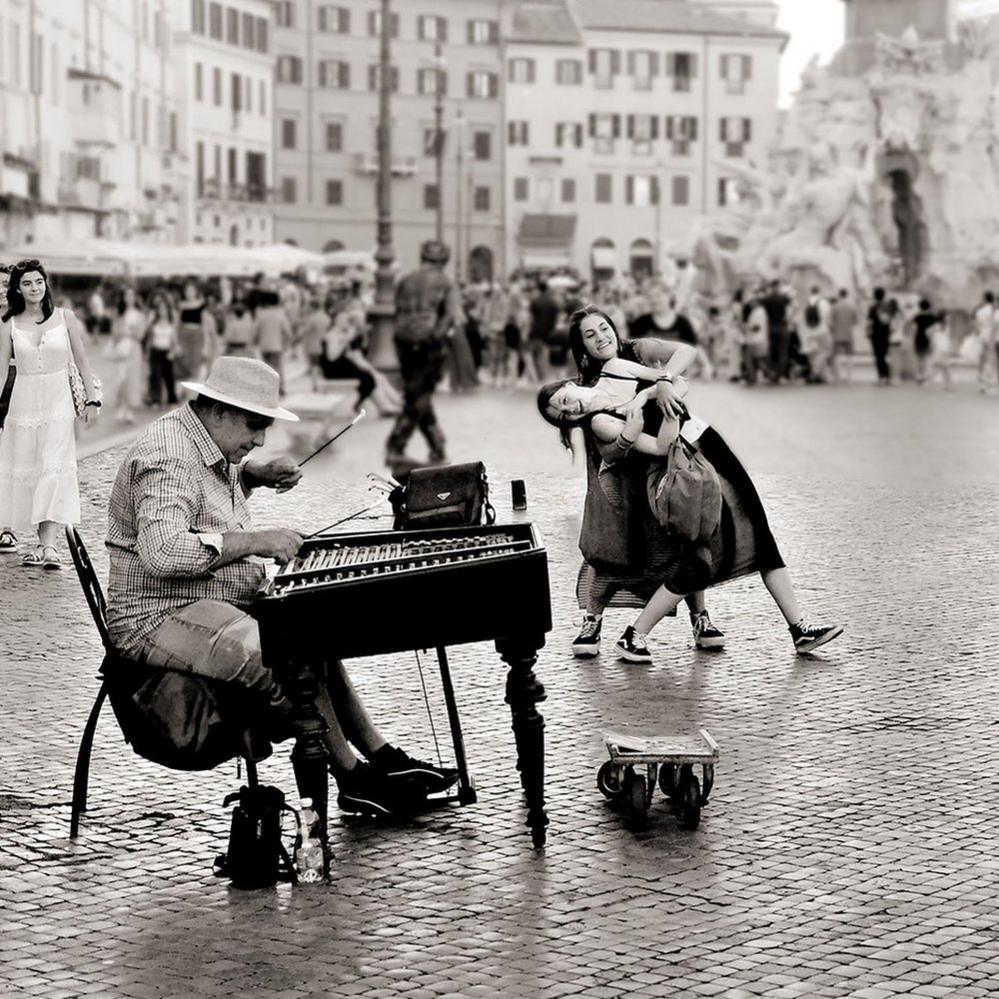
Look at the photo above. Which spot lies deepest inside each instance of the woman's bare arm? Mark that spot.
(670, 356)
(607, 430)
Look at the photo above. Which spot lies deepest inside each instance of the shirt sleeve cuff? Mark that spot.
(213, 541)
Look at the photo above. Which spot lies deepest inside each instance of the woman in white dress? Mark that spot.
(128, 331)
(38, 487)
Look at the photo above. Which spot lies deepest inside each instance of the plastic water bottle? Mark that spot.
(309, 858)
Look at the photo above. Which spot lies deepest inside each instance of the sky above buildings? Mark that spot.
(815, 27)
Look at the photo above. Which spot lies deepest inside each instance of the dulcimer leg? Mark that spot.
(523, 693)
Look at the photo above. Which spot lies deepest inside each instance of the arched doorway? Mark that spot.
(480, 264)
(603, 259)
(332, 245)
(641, 259)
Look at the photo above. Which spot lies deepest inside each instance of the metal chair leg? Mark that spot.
(251, 772)
(81, 776)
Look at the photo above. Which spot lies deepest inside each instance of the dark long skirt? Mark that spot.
(626, 570)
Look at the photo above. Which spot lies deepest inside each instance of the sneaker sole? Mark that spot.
(585, 651)
(430, 783)
(816, 643)
(633, 657)
(710, 643)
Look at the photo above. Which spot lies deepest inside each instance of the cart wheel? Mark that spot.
(607, 781)
(689, 802)
(667, 779)
(636, 789)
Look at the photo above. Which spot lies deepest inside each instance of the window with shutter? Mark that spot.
(616, 124)
(520, 189)
(629, 190)
(615, 62)
(578, 132)
(603, 192)
(568, 190)
(681, 190)
(343, 75)
(654, 190)
(747, 129)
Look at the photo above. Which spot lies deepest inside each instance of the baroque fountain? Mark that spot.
(885, 172)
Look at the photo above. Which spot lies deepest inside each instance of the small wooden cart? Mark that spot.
(668, 759)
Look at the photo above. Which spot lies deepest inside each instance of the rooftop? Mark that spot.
(671, 16)
(546, 22)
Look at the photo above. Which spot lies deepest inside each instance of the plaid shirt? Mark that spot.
(173, 486)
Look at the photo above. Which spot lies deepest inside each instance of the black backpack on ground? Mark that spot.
(256, 857)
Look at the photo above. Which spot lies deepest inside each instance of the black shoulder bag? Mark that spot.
(443, 496)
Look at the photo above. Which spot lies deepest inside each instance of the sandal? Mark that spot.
(32, 559)
(52, 562)
(8, 541)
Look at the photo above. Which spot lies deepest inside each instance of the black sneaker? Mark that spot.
(368, 792)
(706, 635)
(631, 647)
(587, 642)
(806, 637)
(397, 765)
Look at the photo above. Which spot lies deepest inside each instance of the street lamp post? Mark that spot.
(459, 136)
(439, 65)
(383, 355)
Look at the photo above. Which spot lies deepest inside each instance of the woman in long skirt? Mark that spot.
(38, 486)
(625, 422)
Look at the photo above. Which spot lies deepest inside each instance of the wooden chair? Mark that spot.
(113, 660)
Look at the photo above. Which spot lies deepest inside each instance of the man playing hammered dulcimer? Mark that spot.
(186, 565)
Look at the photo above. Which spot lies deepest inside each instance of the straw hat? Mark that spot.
(246, 383)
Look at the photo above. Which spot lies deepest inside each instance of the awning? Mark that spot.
(547, 231)
(603, 258)
(538, 260)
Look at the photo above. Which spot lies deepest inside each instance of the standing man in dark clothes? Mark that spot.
(426, 309)
(879, 318)
(544, 317)
(777, 304)
(663, 321)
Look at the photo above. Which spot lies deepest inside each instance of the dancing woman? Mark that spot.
(621, 427)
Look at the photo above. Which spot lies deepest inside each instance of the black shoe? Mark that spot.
(396, 765)
(706, 635)
(368, 792)
(631, 647)
(806, 638)
(587, 642)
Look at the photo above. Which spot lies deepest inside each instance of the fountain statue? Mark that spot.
(885, 171)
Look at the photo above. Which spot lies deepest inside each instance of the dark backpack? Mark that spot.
(256, 857)
(813, 317)
(686, 498)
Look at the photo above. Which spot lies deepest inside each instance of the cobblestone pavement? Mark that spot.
(849, 848)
